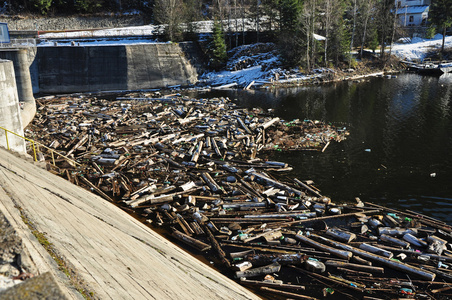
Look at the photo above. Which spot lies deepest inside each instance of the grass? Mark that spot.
(76, 282)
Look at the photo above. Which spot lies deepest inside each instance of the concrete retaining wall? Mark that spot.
(9, 108)
(100, 68)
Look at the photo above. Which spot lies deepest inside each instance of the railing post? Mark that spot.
(34, 151)
(7, 141)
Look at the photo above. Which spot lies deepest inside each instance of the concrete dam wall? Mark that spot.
(69, 69)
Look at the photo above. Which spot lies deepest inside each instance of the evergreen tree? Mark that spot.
(441, 15)
(217, 47)
(88, 6)
(290, 35)
(43, 6)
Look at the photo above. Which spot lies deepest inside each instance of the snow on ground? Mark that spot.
(418, 48)
(96, 42)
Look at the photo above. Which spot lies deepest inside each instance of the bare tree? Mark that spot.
(169, 13)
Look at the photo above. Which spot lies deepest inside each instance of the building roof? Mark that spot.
(417, 9)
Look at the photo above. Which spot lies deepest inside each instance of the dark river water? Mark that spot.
(399, 152)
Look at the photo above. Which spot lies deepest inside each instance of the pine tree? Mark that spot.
(217, 47)
(42, 5)
(441, 15)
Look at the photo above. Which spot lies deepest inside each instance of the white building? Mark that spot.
(413, 12)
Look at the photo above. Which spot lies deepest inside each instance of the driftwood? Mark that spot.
(190, 241)
(272, 268)
(286, 294)
(282, 259)
(337, 252)
(376, 250)
(337, 264)
(382, 260)
(217, 247)
(341, 235)
(285, 286)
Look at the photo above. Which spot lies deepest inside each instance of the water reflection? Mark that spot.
(405, 123)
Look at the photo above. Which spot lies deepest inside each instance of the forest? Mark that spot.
(308, 33)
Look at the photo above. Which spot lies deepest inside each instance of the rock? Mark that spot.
(9, 270)
(40, 287)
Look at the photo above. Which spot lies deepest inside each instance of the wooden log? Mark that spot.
(286, 294)
(424, 221)
(397, 231)
(376, 250)
(414, 240)
(285, 286)
(272, 268)
(337, 252)
(382, 260)
(337, 264)
(274, 232)
(271, 182)
(307, 187)
(361, 261)
(95, 188)
(269, 123)
(190, 241)
(247, 130)
(217, 247)
(282, 259)
(196, 154)
(325, 218)
(341, 235)
(394, 241)
(348, 271)
(331, 279)
(80, 143)
(214, 187)
(240, 254)
(243, 266)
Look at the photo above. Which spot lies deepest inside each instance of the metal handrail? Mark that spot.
(36, 146)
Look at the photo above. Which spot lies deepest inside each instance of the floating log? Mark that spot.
(190, 241)
(240, 254)
(337, 252)
(271, 233)
(285, 286)
(272, 268)
(414, 240)
(243, 266)
(286, 294)
(395, 241)
(337, 264)
(376, 250)
(217, 247)
(282, 259)
(383, 260)
(95, 188)
(341, 235)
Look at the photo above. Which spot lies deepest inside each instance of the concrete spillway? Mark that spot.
(9, 108)
(114, 255)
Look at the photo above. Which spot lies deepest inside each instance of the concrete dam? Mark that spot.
(69, 69)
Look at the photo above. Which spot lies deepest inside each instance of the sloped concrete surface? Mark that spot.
(114, 255)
